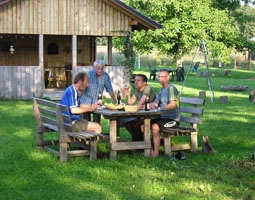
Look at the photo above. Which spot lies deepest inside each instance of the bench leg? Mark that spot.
(193, 142)
(93, 150)
(39, 140)
(167, 145)
(63, 152)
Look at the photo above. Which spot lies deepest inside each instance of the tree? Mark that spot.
(186, 23)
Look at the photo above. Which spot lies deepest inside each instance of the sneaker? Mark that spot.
(172, 156)
(181, 156)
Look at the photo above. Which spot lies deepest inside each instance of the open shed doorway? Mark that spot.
(57, 61)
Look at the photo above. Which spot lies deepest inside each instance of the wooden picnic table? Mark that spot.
(114, 116)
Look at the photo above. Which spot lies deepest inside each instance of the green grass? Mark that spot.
(27, 173)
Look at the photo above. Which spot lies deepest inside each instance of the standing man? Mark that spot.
(71, 99)
(142, 90)
(167, 99)
(98, 80)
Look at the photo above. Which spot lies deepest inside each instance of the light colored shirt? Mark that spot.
(165, 96)
(96, 85)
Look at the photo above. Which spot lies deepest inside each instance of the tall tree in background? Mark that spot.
(245, 29)
(186, 23)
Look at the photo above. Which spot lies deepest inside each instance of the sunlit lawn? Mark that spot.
(27, 173)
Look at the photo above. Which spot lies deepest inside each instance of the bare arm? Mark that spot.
(85, 108)
(142, 102)
(113, 97)
(170, 106)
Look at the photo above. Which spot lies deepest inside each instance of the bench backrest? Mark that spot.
(50, 114)
(190, 106)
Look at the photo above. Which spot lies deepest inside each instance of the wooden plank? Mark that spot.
(78, 153)
(147, 130)
(181, 147)
(50, 126)
(39, 16)
(47, 103)
(192, 110)
(49, 120)
(113, 137)
(19, 80)
(51, 150)
(130, 145)
(193, 120)
(64, 17)
(9, 82)
(194, 101)
(35, 17)
(47, 112)
(63, 108)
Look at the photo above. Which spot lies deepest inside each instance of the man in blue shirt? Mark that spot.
(98, 81)
(71, 98)
(167, 99)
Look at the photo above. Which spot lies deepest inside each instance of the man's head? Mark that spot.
(81, 80)
(99, 67)
(163, 77)
(140, 81)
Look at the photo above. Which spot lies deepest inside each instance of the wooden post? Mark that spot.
(202, 95)
(223, 99)
(147, 128)
(41, 63)
(109, 51)
(167, 144)
(113, 137)
(252, 95)
(93, 150)
(74, 56)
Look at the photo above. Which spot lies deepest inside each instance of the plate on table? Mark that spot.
(114, 106)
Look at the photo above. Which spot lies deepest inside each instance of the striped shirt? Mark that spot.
(71, 99)
(165, 96)
(96, 85)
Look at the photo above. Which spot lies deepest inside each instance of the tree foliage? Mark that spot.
(186, 23)
(245, 27)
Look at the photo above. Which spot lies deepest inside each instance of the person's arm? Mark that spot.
(113, 97)
(85, 108)
(170, 106)
(141, 102)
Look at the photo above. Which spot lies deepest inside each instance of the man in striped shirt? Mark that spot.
(71, 99)
(167, 99)
(98, 81)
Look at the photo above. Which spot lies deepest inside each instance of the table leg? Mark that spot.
(147, 130)
(113, 137)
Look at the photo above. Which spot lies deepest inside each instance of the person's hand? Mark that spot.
(153, 105)
(125, 91)
(95, 106)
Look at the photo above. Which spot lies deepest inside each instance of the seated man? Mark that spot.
(142, 90)
(167, 99)
(71, 98)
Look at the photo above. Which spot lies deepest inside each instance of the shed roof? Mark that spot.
(143, 22)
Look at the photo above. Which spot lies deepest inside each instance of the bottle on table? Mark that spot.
(118, 98)
(100, 98)
(147, 104)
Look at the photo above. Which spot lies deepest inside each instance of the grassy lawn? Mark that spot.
(27, 173)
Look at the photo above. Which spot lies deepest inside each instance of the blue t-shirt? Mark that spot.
(71, 99)
(165, 96)
(96, 85)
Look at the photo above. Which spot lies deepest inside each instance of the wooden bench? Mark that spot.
(48, 118)
(188, 125)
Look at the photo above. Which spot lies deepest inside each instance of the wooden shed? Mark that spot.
(43, 43)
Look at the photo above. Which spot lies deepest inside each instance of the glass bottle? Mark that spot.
(118, 98)
(100, 98)
(147, 104)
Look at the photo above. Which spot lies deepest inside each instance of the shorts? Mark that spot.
(79, 126)
(165, 124)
